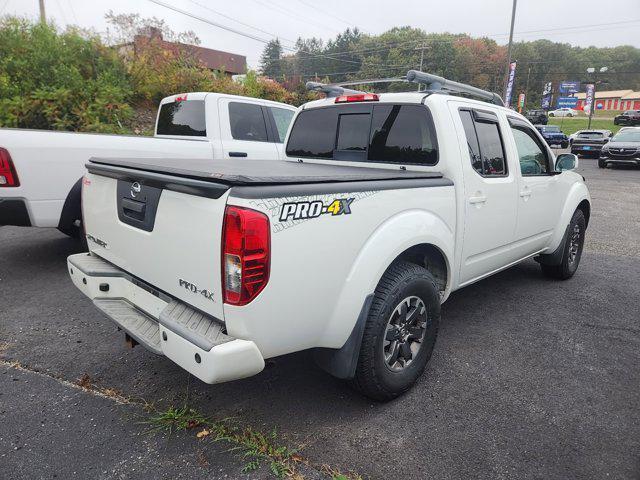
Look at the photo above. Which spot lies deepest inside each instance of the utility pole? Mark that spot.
(421, 48)
(43, 17)
(506, 70)
(526, 87)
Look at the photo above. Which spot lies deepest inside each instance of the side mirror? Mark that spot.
(566, 161)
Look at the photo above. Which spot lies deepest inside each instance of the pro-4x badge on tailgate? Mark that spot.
(303, 210)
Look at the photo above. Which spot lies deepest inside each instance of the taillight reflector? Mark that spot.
(359, 97)
(246, 245)
(8, 175)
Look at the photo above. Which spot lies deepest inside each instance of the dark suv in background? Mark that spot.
(553, 135)
(589, 142)
(537, 117)
(622, 149)
(630, 117)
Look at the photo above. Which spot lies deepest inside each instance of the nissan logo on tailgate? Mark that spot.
(135, 189)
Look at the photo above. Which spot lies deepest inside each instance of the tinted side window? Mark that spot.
(314, 134)
(402, 134)
(486, 150)
(472, 140)
(491, 150)
(282, 117)
(533, 157)
(182, 118)
(247, 122)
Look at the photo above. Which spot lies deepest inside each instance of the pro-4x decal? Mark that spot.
(313, 209)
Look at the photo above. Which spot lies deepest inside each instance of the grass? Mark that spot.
(255, 447)
(572, 125)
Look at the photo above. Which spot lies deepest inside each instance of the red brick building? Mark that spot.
(229, 63)
(613, 100)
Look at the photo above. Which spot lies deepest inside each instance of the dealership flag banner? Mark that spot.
(546, 95)
(512, 76)
(588, 101)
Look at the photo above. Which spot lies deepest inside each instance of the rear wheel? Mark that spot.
(400, 332)
(572, 250)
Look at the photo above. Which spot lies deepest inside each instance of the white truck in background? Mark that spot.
(384, 205)
(40, 171)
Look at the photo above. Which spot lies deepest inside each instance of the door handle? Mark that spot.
(526, 193)
(478, 199)
(237, 154)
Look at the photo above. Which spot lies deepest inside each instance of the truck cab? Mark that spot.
(236, 127)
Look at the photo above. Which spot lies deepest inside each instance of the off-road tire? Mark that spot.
(373, 377)
(567, 266)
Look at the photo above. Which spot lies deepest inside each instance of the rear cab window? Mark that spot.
(182, 118)
(382, 133)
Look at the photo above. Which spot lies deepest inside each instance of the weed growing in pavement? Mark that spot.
(256, 447)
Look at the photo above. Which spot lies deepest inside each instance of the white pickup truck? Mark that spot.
(385, 205)
(40, 171)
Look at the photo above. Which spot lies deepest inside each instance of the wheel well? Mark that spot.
(72, 210)
(586, 210)
(431, 258)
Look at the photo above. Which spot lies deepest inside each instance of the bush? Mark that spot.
(60, 81)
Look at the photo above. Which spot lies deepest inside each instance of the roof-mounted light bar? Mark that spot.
(436, 83)
(331, 90)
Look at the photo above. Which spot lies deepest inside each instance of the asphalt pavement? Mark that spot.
(530, 378)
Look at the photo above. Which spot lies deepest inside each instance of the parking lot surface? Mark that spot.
(530, 378)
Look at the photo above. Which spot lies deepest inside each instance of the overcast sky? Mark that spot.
(603, 23)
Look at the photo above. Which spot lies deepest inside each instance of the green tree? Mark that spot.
(61, 81)
(270, 61)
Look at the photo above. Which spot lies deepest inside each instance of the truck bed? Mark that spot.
(255, 172)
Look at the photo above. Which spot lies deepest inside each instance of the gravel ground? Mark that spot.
(530, 378)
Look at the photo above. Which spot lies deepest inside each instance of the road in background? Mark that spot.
(530, 378)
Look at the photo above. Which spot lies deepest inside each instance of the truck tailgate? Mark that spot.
(168, 239)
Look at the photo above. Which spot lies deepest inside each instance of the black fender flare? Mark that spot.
(342, 362)
(71, 210)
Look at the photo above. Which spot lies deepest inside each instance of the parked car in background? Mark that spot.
(41, 171)
(537, 117)
(630, 117)
(622, 149)
(589, 142)
(553, 135)
(563, 112)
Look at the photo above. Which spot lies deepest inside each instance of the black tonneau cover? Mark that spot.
(245, 172)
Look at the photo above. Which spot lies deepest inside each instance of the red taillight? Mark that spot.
(8, 175)
(359, 97)
(246, 246)
(181, 98)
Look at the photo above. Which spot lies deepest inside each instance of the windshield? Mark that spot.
(627, 136)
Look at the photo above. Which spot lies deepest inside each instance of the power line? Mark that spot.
(232, 30)
(412, 43)
(328, 14)
(284, 11)
(242, 23)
